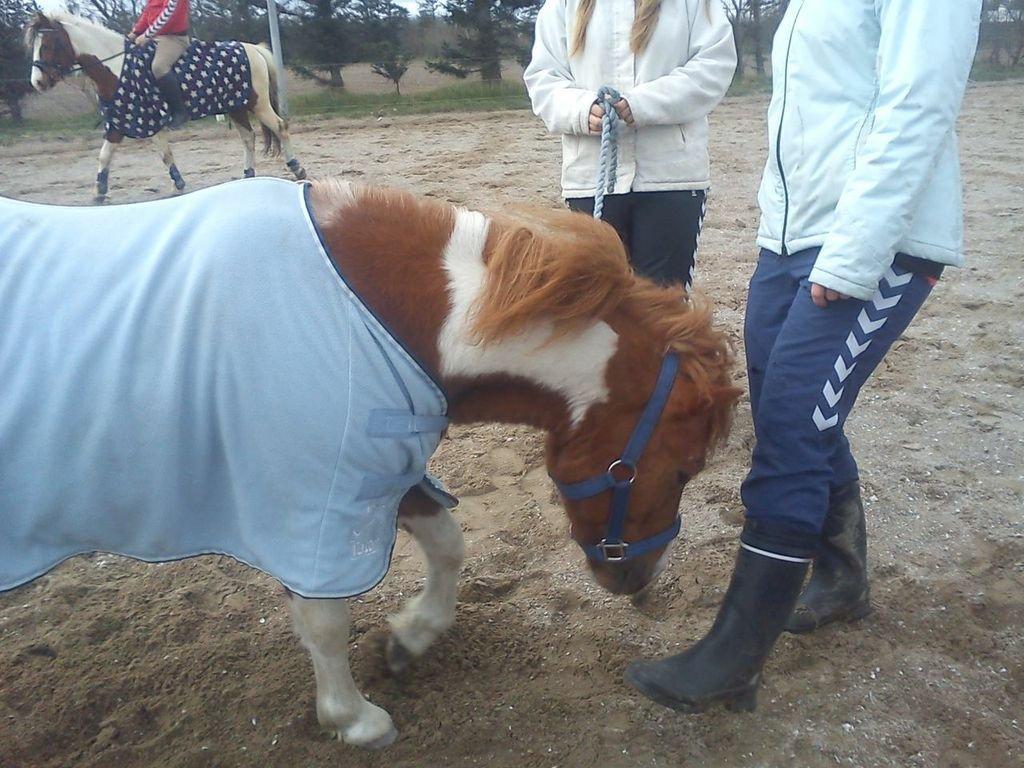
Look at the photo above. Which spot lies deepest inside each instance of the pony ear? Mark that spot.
(569, 275)
(727, 396)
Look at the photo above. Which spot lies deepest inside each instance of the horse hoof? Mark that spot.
(398, 657)
(179, 187)
(300, 175)
(249, 173)
(100, 199)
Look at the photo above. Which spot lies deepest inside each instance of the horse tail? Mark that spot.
(271, 142)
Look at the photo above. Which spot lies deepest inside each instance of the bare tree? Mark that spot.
(392, 66)
(1003, 31)
(753, 24)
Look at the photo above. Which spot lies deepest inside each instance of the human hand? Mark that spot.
(597, 114)
(821, 295)
(625, 113)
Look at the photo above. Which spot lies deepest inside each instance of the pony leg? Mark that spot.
(323, 626)
(103, 173)
(290, 159)
(272, 122)
(244, 128)
(164, 145)
(428, 615)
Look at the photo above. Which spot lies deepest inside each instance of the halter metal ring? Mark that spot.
(614, 551)
(620, 464)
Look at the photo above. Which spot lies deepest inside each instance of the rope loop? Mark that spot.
(609, 160)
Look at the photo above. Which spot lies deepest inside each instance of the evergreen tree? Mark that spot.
(378, 25)
(15, 66)
(487, 32)
(326, 41)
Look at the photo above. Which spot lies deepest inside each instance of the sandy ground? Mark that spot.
(111, 663)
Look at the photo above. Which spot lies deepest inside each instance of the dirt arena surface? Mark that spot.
(106, 662)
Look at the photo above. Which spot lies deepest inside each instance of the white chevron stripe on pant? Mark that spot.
(846, 361)
(696, 245)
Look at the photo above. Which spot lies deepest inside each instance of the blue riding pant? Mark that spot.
(806, 366)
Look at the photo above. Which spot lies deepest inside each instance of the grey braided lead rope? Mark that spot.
(609, 161)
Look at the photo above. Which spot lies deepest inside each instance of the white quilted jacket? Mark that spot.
(671, 87)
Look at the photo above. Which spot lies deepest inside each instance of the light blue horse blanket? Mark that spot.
(194, 376)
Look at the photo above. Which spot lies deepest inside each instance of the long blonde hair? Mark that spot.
(645, 19)
(644, 22)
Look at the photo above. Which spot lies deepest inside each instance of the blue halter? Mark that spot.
(620, 476)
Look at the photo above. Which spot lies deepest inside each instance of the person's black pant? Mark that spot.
(661, 230)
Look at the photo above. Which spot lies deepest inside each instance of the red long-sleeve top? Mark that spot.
(163, 17)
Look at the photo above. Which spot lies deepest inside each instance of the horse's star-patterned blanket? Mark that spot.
(194, 375)
(215, 79)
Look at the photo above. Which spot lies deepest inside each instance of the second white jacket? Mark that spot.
(863, 159)
(671, 87)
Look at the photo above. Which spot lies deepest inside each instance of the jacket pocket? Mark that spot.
(570, 150)
(866, 126)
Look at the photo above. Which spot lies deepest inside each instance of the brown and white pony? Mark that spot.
(62, 44)
(529, 318)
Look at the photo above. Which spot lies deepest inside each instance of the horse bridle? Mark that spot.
(620, 476)
(48, 67)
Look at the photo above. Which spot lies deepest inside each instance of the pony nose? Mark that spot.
(623, 578)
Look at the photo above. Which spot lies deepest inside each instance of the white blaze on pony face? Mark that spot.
(39, 80)
(574, 365)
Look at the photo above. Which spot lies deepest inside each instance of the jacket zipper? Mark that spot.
(778, 137)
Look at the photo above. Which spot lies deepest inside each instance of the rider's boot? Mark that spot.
(170, 89)
(725, 667)
(838, 587)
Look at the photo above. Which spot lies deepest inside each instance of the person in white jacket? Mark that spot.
(861, 211)
(672, 62)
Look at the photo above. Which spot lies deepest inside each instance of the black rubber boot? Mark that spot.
(170, 89)
(838, 589)
(725, 667)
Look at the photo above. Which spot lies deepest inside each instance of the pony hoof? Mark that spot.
(373, 730)
(249, 173)
(382, 741)
(176, 177)
(296, 168)
(398, 657)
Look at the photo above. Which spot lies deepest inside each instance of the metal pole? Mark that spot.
(275, 44)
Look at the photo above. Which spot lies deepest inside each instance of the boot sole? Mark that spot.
(850, 615)
(738, 701)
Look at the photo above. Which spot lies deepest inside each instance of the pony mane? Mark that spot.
(569, 270)
(549, 266)
(32, 28)
(62, 17)
(706, 353)
(334, 197)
